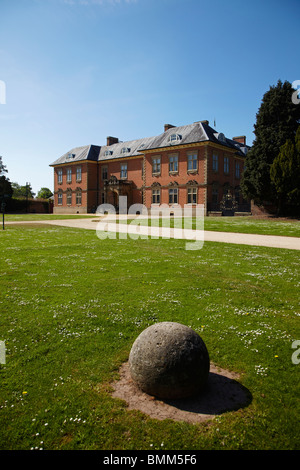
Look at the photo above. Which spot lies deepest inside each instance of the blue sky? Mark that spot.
(77, 71)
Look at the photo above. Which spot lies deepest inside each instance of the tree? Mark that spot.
(276, 122)
(22, 191)
(5, 185)
(2, 167)
(44, 193)
(285, 173)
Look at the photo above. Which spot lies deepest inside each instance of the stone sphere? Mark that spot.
(169, 360)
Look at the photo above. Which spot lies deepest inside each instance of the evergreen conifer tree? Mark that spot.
(276, 122)
(285, 174)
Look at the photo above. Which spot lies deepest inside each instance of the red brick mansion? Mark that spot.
(192, 164)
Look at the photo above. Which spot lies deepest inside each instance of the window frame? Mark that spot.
(173, 195)
(69, 197)
(215, 162)
(69, 174)
(173, 163)
(193, 161)
(78, 174)
(78, 197)
(104, 170)
(226, 165)
(59, 175)
(124, 171)
(156, 163)
(155, 196)
(60, 198)
(174, 138)
(192, 191)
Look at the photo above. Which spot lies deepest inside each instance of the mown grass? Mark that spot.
(287, 228)
(71, 306)
(270, 226)
(34, 217)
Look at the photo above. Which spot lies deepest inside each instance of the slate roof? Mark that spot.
(191, 133)
(132, 147)
(77, 154)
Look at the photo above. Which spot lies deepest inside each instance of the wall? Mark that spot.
(180, 178)
(220, 178)
(87, 169)
(141, 187)
(38, 205)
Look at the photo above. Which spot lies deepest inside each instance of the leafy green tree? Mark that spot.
(22, 191)
(276, 121)
(5, 185)
(44, 193)
(285, 173)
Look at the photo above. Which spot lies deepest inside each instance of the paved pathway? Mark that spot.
(292, 243)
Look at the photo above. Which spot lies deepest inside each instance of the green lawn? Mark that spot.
(289, 228)
(72, 305)
(252, 225)
(34, 217)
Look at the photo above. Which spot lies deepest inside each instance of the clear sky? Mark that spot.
(76, 71)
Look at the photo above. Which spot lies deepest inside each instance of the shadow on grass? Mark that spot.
(221, 394)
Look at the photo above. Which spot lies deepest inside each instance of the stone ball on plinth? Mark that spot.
(169, 360)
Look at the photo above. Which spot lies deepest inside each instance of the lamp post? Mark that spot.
(5, 194)
(3, 204)
(27, 197)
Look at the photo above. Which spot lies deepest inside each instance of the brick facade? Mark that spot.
(183, 172)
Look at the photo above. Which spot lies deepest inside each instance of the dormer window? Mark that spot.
(125, 150)
(107, 153)
(174, 138)
(220, 136)
(70, 156)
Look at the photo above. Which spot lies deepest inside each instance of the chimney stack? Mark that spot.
(168, 126)
(112, 140)
(241, 139)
